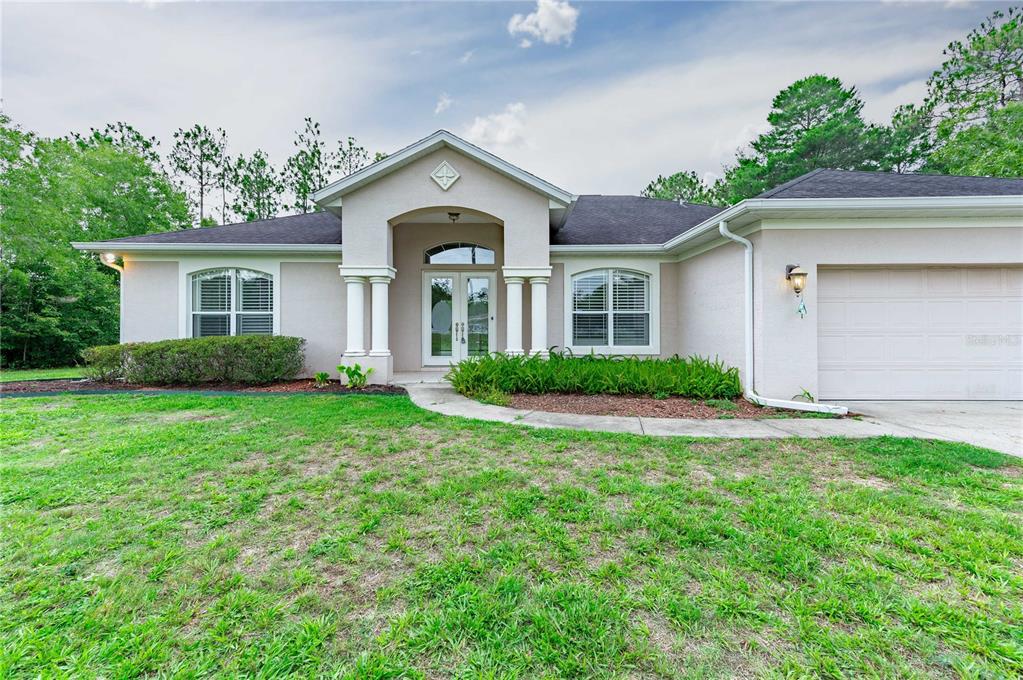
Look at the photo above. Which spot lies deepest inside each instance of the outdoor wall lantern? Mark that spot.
(796, 276)
(110, 260)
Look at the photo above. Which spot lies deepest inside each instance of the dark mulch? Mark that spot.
(634, 405)
(286, 386)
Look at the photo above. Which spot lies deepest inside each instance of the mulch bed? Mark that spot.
(635, 405)
(304, 385)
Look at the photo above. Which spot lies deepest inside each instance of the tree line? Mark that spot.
(971, 123)
(112, 182)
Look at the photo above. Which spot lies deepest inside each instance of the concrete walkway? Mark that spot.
(440, 397)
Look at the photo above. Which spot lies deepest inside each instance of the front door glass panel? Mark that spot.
(442, 325)
(478, 312)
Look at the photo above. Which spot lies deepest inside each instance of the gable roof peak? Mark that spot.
(331, 195)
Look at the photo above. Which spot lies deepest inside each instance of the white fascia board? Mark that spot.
(758, 208)
(332, 192)
(114, 247)
(609, 249)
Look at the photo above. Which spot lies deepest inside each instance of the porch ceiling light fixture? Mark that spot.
(453, 216)
(796, 276)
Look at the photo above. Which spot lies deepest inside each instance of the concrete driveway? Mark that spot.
(994, 425)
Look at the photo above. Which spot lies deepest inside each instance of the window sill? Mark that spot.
(645, 350)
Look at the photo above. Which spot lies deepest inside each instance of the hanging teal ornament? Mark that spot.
(801, 309)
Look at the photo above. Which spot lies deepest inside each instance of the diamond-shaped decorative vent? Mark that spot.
(445, 175)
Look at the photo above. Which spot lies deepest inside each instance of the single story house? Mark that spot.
(911, 285)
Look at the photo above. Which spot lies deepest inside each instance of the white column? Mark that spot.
(379, 346)
(355, 346)
(513, 300)
(538, 310)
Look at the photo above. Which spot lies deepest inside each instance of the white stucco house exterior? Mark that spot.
(442, 251)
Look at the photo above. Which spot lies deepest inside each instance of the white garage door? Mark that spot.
(921, 333)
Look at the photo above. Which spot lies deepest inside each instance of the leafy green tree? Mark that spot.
(57, 301)
(682, 186)
(815, 123)
(257, 187)
(197, 154)
(350, 157)
(980, 75)
(124, 136)
(992, 149)
(906, 144)
(308, 169)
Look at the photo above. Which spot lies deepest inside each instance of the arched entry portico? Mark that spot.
(446, 294)
(393, 211)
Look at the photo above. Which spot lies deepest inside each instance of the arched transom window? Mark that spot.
(459, 253)
(610, 308)
(232, 302)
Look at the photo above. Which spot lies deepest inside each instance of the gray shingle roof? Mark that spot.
(595, 219)
(861, 184)
(615, 220)
(308, 229)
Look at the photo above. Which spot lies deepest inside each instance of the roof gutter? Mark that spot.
(122, 247)
(1009, 205)
(750, 392)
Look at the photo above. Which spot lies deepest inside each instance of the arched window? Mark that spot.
(232, 302)
(610, 308)
(459, 253)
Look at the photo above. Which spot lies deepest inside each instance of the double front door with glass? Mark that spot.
(458, 316)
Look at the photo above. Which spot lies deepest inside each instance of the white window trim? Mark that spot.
(189, 266)
(651, 268)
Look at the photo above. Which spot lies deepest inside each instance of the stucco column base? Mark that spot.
(382, 367)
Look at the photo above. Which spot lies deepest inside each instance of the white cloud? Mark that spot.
(553, 22)
(444, 103)
(613, 136)
(499, 131)
(466, 57)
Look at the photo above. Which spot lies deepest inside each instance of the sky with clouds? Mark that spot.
(596, 97)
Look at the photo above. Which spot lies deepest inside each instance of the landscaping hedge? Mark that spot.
(561, 372)
(248, 359)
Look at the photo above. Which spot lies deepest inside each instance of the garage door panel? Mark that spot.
(908, 282)
(906, 313)
(921, 333)
(984, 281)
(943, 281)
(904, 347)
(865, 314)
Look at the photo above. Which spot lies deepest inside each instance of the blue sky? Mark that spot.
(596, 97)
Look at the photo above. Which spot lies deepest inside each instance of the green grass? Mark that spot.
(7, 375)
(360, 537)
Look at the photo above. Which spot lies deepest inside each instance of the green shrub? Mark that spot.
(561, 372)
(248, 359)
(322, 379)
(357, 378)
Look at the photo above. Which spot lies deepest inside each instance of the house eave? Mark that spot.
(754, 209)
(218, 248)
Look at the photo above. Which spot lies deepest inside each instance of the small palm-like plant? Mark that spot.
(357, 378)
(321, 379)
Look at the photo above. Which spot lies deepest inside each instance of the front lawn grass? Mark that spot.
(180, 535)
(7, 375)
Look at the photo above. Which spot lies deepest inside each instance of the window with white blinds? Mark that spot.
(232, 302)
(610, 308)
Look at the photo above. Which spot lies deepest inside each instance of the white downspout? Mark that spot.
(750, 392)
